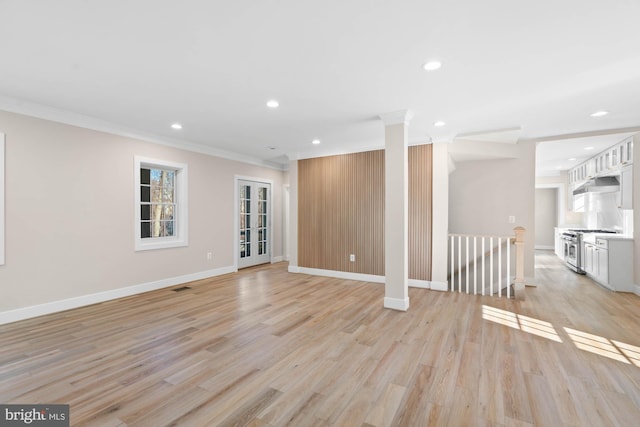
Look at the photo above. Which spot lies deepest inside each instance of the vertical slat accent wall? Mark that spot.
(341, 212)
(420, 216)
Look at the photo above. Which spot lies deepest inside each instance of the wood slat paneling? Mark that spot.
(341, 212)
(420, 205)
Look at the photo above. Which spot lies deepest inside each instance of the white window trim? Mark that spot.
(182, 215)
(2, 226)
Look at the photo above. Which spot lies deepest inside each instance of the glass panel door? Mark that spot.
(254, 207)
(245, 221)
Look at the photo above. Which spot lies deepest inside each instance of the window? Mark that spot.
(161, 204)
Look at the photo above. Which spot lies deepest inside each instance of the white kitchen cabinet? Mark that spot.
(559, 243)
(625, 196)
(629, 151)
(609, 261)
(625, 152)
(587, 258)
(601, 262)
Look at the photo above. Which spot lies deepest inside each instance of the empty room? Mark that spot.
(363, 213)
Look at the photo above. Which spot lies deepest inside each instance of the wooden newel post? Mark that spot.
(518, 285)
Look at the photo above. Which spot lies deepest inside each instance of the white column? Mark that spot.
(440, 217)
(293, 215)
(396, 216)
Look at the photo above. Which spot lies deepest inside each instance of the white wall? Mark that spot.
(70, 213)
(483, 194)
(546, 214)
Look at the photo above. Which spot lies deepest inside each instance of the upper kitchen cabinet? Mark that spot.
(608, 162)
(627, 151)
(620, 155)
(582, 172)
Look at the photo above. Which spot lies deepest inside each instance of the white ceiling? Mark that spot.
(541, 66)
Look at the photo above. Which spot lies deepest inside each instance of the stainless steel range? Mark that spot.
(572, 243)
(571, 246)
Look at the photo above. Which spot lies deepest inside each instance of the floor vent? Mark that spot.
(183, 288)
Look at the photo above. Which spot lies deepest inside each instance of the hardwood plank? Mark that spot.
(268, 348)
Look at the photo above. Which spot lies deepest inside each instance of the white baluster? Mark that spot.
(491, 266)
(459, 263)
(475, 267)
(483, 252)
(500, 266)
(453, 259)
(467, 267)
(508, 267)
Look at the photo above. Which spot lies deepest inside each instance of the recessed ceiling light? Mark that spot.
(176, 126)
(315, 142)
(432, 65)
(272, 103)
(599, 113)
(572, 159)
(439, 123)
(272, 148)
(588, 148)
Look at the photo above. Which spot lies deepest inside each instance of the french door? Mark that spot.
(254, 231)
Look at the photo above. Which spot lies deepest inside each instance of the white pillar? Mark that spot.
(293, 216)
(440, 217)
(396, 216)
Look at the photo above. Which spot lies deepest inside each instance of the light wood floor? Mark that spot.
(264, 347)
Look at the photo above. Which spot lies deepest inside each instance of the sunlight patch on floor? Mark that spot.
(630, 351)
(518, 321)
(603, 347)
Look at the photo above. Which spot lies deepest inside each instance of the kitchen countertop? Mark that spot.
(591, 237)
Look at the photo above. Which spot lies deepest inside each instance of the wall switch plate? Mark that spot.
(512, 219)
(209, 256)
(352, 258)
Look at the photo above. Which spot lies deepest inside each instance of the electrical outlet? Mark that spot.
(352, 258)
(209, 256)
(512, 219)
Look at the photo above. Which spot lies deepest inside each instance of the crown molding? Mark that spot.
(53, 114)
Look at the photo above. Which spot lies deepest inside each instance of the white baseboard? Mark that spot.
(396, 303)
(422, 284)
(426, 284)
(276, 259)
(414, 283)
(439, 286)
(81, 301)
(293, 269)
(340, 274)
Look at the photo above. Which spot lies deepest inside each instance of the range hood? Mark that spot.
(604, 184)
